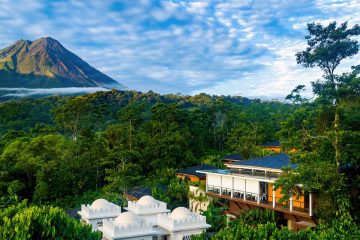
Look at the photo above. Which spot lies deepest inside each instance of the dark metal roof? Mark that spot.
(138, 192)
(276, 161)
(235, 157)
(192, 170)
(271, 144)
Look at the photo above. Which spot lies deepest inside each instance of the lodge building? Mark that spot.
(248, 184)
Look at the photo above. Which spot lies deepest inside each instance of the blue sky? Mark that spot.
(229, 47)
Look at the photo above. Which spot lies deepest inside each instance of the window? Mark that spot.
(186, 238)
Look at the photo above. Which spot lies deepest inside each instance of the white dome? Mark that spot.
(128, 218)
(100, 203)
(180, 213)
(147, 200)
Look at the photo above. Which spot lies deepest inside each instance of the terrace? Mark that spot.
(263, 200)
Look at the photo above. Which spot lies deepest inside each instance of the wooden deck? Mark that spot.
(296, 211)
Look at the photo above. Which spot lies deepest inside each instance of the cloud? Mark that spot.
(27, 92)
(188, 46)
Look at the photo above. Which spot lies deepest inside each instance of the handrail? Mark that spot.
(298, 206)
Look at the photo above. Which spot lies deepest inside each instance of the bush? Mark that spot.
(43, 223)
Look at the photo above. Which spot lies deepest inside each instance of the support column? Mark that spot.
(273, 196)
(258, 194)
(310, 205)
(291, 203)
(245, 189)
(206, 183)
(232, 187)
(220, 185)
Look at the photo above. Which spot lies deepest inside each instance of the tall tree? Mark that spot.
(73, 115)
(327, 47)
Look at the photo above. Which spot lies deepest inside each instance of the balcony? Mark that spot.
(245, 173)
(262, 200)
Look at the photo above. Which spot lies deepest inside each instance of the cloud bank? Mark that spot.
(183, 46)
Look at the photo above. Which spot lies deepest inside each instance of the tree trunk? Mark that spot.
(337, 135)
(130, 136)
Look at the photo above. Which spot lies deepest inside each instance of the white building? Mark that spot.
(148, 208)
(146, 219)
(129, 226)
(251, 184)
(181, 223)
(99, 210)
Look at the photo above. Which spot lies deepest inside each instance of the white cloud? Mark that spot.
(188, 46)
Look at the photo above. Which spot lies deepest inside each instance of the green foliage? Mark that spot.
(124, 176)
(242, 140)
(214, 160)
(175, 193)
(328, 46)
(324, 130)
(42, 223)
(257, 216)
(337, 230)
(260, 224)
(215, 215)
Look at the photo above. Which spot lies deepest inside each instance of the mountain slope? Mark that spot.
(45, 63)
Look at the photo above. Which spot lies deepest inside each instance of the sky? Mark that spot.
(228, 47)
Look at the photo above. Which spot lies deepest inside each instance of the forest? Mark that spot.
(58, 152)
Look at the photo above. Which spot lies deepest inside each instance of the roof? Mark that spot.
(235, 156)
(100, 203)
(275, 161)
(147, 200)
(271, 144)
(138, 192)
(192, 170)
(180, 213)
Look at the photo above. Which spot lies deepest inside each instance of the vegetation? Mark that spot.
(22, 222)
(63, 151)
(111, 141)
(324, 130)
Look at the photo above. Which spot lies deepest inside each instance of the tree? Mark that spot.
(215, 216)
(242, 140)
(315, 127)
(174, 194)
(126, 175)
(42, 223)
(327, 47)
(295, 95)
(73, 115)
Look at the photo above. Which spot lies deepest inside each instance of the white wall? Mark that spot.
(227, 182)
(213, 180)
(252, 186)
(239, 184)
(180, 235)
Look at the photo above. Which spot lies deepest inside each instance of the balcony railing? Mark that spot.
(238, 194)
(213, 189)
(253, 174)
(226, 191)
(259, 198)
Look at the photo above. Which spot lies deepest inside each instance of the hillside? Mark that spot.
(45, 63)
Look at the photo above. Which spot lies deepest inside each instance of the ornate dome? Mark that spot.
(147, 200)
(100, 203)
(180, 213)
(128, 218)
